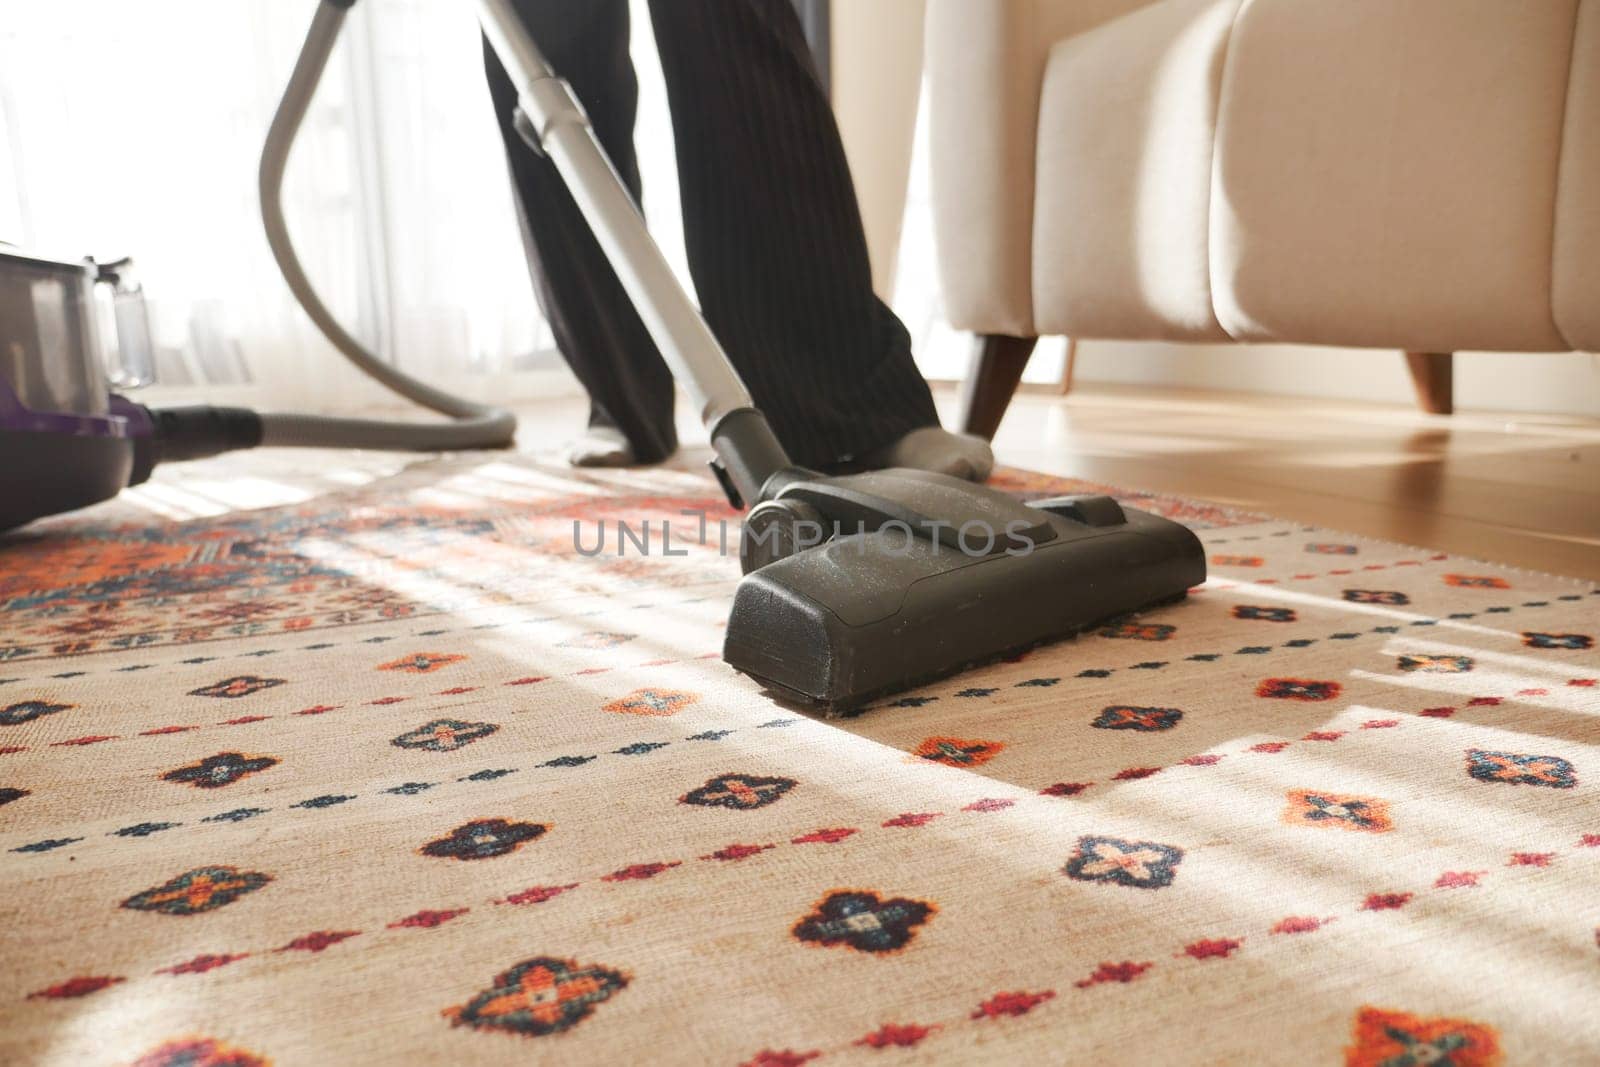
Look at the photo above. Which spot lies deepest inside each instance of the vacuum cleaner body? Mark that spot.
(65, 440)
(944, 576)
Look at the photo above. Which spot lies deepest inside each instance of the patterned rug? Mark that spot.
(399, 775)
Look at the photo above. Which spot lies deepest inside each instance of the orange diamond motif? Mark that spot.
(1315, 807)
(198, 1052)
(421, 662)
(540, 996)
(1396, 1039)
(957, 752)
(1415, 661)
(200, 889)
(660, 702)
(1476, 581)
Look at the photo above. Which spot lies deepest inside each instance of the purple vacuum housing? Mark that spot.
(66, 441)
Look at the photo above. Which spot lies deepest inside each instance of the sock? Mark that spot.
(933, 448)
(601, 446)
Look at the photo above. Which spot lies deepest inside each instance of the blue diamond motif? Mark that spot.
(567, 761)
(144, 829)
(236, 815)
(325, 801)
(47, 844)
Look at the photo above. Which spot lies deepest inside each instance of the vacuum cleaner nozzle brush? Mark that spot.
(924, 590)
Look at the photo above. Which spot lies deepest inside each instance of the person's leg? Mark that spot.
(594, 323)
(776, 244)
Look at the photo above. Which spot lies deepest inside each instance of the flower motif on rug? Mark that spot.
(28, 710)
(1326, 549)
(1313, 807)
(1140, 864)
(740, 791)
(1397, 1039)
(1376, 596)
(224, 768)
(421, 662)
(862, 920)
(1519, 769)
(484, 839)
(957, 752)
(234, 688)
(444, 735)
(1261, 614)
(1146, 720)
(1297, 689)
(198, 1052)
(1139, 631)
(596, 639)
(1572, 642)
(197, 890)
(540, 996)
(1476, 581)
(1435, 664)
(661, 702)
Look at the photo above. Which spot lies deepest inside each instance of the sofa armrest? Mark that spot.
(985, 62)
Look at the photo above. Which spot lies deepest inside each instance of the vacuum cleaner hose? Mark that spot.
(472, 425)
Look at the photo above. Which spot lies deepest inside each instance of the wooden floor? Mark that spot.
(1517, 489)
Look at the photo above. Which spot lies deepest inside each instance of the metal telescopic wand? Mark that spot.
(552, 121)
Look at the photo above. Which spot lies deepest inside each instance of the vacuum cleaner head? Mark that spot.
(931, 575)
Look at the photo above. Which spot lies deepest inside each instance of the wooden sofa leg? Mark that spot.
(997, 364)
(1069, 365)
(1433, 378)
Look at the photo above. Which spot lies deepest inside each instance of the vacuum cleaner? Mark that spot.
(854, 585)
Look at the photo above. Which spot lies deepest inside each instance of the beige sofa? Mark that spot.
(1422, 175)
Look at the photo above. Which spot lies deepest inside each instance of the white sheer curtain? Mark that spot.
(135, 128)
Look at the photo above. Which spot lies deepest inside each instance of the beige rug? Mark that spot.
(397, 776)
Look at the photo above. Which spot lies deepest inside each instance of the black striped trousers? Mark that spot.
(772, 228)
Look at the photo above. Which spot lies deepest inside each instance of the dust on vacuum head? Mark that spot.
(859, 616)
